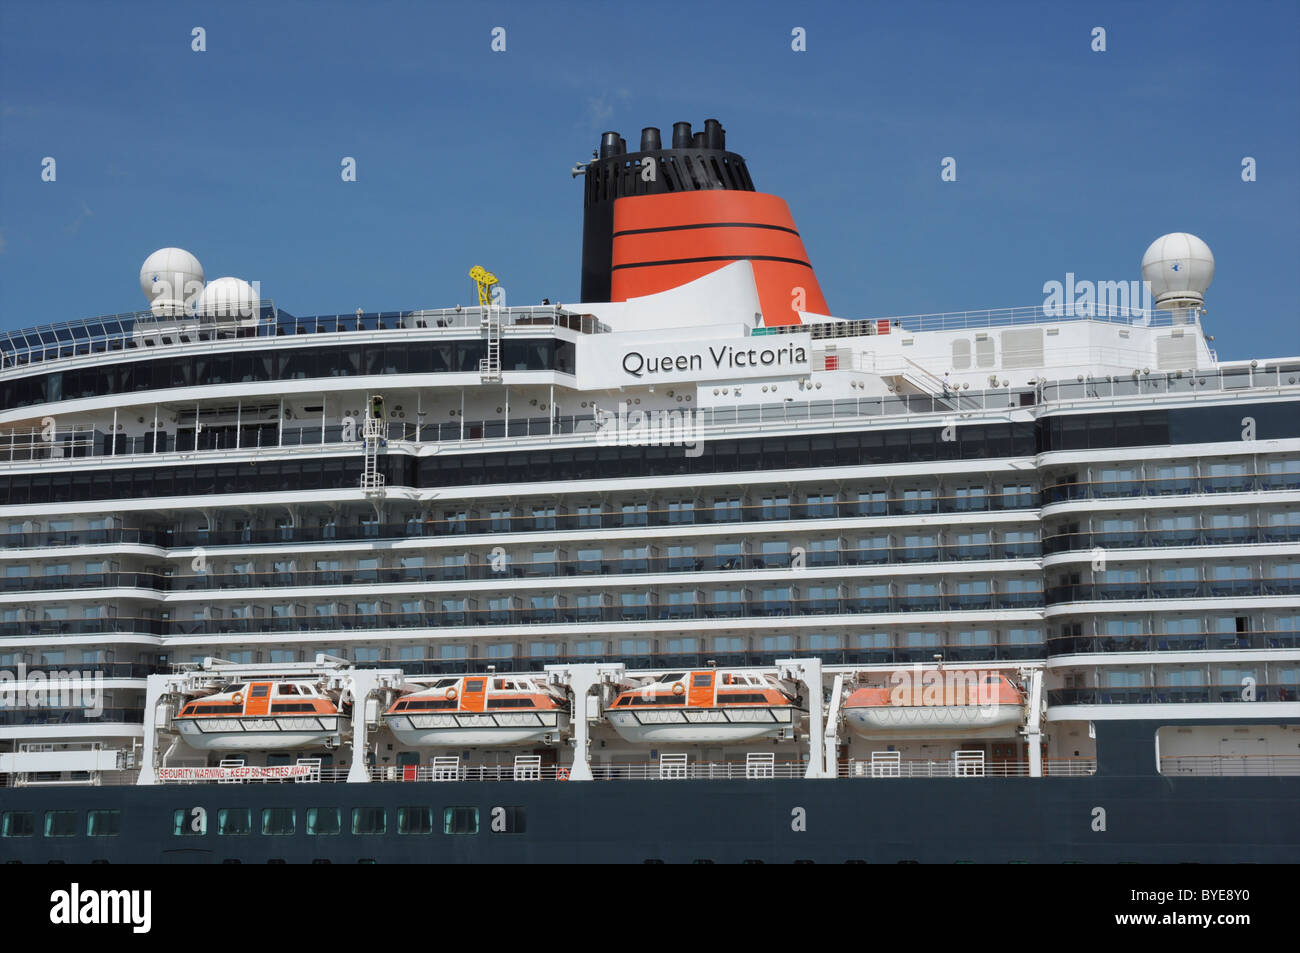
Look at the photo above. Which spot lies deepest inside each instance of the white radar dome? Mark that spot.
(1179, 268)
(228, 297)
(171, 278)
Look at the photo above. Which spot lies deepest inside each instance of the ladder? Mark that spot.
(372, 481)
(489, 368)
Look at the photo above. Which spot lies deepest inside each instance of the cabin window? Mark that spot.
(279, 820)
(235, 820)
(60, 823)
(474, 686)
(460, 820)
(101, 823)
(261, 691)
(323, 821)
(189, 821)
(369, 820)
(415, 820)
(17, 824)
(508, 820)
(288, 690)
(702, 681)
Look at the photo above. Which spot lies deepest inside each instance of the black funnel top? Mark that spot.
(694, 163)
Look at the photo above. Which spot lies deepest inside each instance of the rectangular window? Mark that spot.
(279, 820)
(460, 820)
(103, 823)
(369, 820)
(17, 824)
(189, 823)
(508, 820)
(323, 821)
(235, 820)
(60, 823)
(415, 820)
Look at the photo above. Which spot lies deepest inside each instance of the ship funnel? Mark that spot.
(649, 226)
(609, 145)
(715, 137)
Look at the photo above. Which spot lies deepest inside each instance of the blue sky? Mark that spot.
(1068, 160)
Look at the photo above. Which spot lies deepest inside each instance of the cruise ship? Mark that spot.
(689, 571)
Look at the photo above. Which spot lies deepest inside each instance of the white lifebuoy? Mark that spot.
(239, 698)
(451, 693)
(679, 689)
(561, 774)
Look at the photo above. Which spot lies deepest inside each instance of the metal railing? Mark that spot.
(1231, 766)
(950, 768)
(1154, 539)
(466, 524)
(507, 569)
(1174, 695)
(1173, 486)
(992, 318)
(1178, 642)
(1146, 591)
(731, 770)
(143, 330)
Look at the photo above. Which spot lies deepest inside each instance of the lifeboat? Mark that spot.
(260, 715)
(476, 710)
(938, 704)
(707, 707)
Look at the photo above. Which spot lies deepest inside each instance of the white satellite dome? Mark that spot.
(228, 297)
(1179, 268)
(171, 278)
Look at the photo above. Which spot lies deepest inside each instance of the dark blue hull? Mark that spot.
(1147, 819)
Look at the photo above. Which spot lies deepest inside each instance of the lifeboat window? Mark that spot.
(422, 704)
(287, 690)
(101, 823)
(625, 700)
(323, 820)
(510, 703)
(444, 682)
(279, 820)
(261, 691)
(17, 824)
(369, 820)
(673, 677)
(474, 686)
(702, 681)
(742, 698)
(415, 820)
(281, 707)
(235, 820)
(460, 820)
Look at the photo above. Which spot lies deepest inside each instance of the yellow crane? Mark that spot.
(485, 280)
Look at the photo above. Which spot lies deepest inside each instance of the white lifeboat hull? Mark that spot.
(258, 734)
(699, 726)
(879, 721)
(478, 730)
